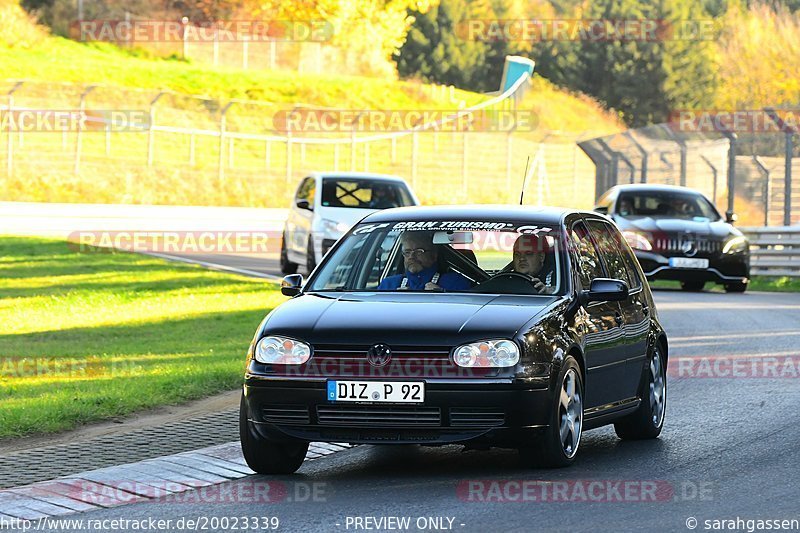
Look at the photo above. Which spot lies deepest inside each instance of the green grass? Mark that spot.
(757, 283)
(89, 337)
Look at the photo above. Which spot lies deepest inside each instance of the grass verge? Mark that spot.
(88, 337)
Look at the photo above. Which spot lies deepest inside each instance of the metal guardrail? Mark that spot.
(774, 251)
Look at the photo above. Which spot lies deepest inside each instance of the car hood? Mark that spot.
(410, 319)
(702, 227)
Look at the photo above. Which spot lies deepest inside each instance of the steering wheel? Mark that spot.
(514, 278)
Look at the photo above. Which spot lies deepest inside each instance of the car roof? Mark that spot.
(358, 175)
(506, 213)
(646, 187)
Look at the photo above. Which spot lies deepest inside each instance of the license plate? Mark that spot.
(377, 391)
(687, 262)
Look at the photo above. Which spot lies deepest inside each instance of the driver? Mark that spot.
(529, 256)
(421, 261)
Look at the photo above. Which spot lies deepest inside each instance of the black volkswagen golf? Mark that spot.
(677, 234)
(486, 326)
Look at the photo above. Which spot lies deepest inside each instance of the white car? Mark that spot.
(327, 204)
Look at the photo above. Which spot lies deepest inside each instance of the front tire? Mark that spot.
(559, 445)
(648, 420)
(736, 287)
(695, 286)
(266, 456)
(287, 267)
(311, 260)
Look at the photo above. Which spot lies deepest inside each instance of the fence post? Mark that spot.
(353, 142)
(336, 157)
(82, 107)
(787, 180)
(464, 180)
(289, 152)
(509, 142)
(267, 149)
(366, 157)
(414, 149)
(245, 50)
(10, 138)
(642, 152)
(150, 131)
(394, 149)
(272, 53)
(731, 167)
(765, 172)
(215, 45)
(713, 176)
(191, 149)
(184, 36)
(222, 124)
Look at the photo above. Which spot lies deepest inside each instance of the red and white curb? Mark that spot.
(168, 478)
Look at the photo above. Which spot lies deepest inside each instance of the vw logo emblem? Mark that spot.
(379, 355)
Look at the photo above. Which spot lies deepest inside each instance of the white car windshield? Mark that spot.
(453, 256)
(364, 193)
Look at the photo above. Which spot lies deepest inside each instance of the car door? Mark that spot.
(299, 223)
(617, 257)
(600, 323)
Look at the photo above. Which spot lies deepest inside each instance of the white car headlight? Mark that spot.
(638, 241)
(487, 354)
(735, 245)
(333, 227)
(281, 351)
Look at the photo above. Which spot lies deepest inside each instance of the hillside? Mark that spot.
(58, 70)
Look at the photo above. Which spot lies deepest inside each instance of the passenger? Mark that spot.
(530, 252)
(382, 198)
(423, 272)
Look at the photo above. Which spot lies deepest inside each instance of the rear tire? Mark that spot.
(311, 260)
(695, 286)
(558, 446)
(266, 456)
(287, 267)
(736, 287)
(648, 420)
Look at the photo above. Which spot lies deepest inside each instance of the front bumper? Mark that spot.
(722, 268)
(484, 412)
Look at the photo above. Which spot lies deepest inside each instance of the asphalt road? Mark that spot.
(729, 450)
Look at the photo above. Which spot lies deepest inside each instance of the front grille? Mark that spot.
(674, 244)
(376, 415)
(476, 417)
(290, 415)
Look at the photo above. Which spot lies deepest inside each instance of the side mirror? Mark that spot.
(606, 290)
(602, 209)
(290, 285)
(303, 204)
(730, 217)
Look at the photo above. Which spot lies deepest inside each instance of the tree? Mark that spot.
(437, 51)
(644, 79)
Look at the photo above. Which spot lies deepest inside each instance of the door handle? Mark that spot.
(618, 319)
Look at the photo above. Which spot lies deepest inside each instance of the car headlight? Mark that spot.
(638, 241)
(331, 226)
(486, 354)
(735, 245)
(281, 351)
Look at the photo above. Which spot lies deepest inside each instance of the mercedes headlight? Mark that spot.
(735, 245)
(281, 351)
(638, 241)
(487, 354)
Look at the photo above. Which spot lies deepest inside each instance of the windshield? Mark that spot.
(364, 193)
(666, 204)
(452, 256)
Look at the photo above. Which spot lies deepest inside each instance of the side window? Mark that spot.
(613, 251)
(306, 190)
(589, 265)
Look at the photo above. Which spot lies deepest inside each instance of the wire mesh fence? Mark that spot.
(200, 151)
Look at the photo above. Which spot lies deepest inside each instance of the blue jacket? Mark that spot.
(449, 281)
